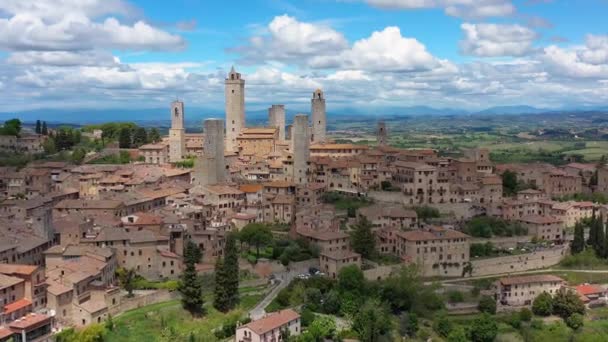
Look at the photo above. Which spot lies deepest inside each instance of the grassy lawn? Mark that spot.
(168, 321)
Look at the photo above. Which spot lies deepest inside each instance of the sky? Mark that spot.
(364, 54)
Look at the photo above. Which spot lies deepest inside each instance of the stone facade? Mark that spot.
(276, 118)
(319, 118)
(177, 139)
(301, 152)
(235, 108)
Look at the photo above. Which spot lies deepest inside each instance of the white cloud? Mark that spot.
(70, 25)
(493, 40)
(456, 8)
(288, 39)
(385, 50)
(571, 63)
(596, 51)
(62, 58)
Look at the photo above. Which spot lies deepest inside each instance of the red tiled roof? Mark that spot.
(272, 321)
(17, 269)
(17, 305)
(4, 332)
(589, 289)
(29, 321)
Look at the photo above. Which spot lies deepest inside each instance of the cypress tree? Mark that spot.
(231, 266)
(592, 236)
(578, 243)
(38, 129)
(190, 287)
(600, 237)
(221, 300)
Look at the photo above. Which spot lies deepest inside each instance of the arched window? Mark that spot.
(176, 112)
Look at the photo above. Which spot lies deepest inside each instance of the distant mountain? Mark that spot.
(194, 115)
(505, 110)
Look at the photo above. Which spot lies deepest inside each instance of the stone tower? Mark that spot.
(213, 163)
(177, 140)
(319, 119)
(301, 148)
(235, 108)
(382, 134)
(276, 118)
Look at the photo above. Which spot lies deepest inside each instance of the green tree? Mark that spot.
(372, 321)
(78, 155)
(525, 315)
(190, 287)
(221, 299)
(124, 139)
(362, 238)
(11, 127)
(566, 302)
(322, 327)
(442, 325)
(109, 323)
(44, 130)
(408, 324)
(154, 135)
(140, 136)
(231, 264)
(487, 304)
(578, 243)
(38, 128)
(127, 278)
(575, 321)
(484, 329)
(458, 334)
(351, 279)
(509, 183)
(257, 235)
(600, 237)
(543, 304)
(49, 146)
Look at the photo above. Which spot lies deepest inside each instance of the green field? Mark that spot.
(167, 321)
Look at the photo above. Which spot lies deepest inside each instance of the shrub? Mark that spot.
(455, 297)
(543, 304)
(442, 326)
(487, 304)
(525, 315)
(575, 321)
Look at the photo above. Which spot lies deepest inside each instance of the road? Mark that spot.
(285, 278)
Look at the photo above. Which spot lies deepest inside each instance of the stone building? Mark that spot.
(544, 227)
(276, 118)
(382, 134)
(259, 142)
(270, 327)
(213, 162)
(319, 119)
(301, 152)
(177, 139)
(521, 290)
(235, 108)
(437, 251)
(156, 153)
(332, 262)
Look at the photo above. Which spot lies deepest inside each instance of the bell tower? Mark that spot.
(235, 108)
(319, 119)
(177, 139)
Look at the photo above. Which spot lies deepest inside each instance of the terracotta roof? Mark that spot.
(589, 289)
(259, 130)
(29, 321)
(272, 321)
(338, 147)
(278, 184)
(17, 269)
(326, 235)
(537, 278)
(414, 165)
(538, 219)
(7, 281)
(5, 332)
(340, 255)
(16, 305)
(250, 188)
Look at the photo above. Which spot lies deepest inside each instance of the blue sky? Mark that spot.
(372, 54)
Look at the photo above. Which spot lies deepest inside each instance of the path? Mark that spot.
(285, 278)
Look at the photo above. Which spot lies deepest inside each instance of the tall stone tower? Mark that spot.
(382, 134)
(213, 163)
(235, 108)
(319, 119)
(177, 139)
(276, 118)
(301, 149)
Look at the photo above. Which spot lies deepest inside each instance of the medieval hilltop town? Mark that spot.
(85, 245)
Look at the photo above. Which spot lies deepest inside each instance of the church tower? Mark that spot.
(382, 134)
(235, 108)
(177, 140)
(319, 119)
